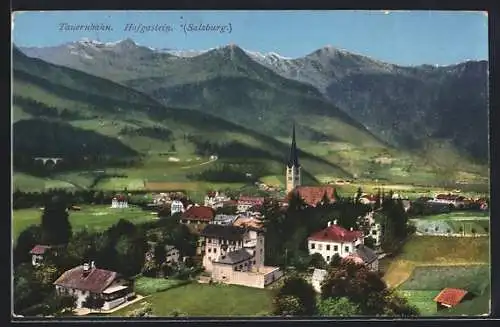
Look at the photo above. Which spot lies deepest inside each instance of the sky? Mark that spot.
(398, 37)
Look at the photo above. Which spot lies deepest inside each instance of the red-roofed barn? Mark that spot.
(312, 195)
(450, 297)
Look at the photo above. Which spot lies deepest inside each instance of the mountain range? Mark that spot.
(405, 107)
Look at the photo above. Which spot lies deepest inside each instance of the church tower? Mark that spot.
(293, 177)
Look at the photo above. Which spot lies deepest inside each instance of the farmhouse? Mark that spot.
(334, 240)
(86, 280)
(235, 255)
(450, 199)
(198, 215)
(450, 297)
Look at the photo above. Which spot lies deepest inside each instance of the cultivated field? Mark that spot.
(200, 300)
(93, 217)
(426, 264)
(426, 282)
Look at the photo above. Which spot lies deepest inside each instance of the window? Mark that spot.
(320, 247)
(254, 262)
(313, 246)
(209, 250)
(335, 248)
(215, 250)
(328, 259)
(328, 247)
(374, 232)
(240, 266)
(246, 264)
(346, 249)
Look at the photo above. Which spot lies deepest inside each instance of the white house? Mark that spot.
(86, 280)
(119, 201)
(457, 201)
(216, 199)
(171, 254)
(375, 227)
(247, 202)
(176, 206)
(334, 239)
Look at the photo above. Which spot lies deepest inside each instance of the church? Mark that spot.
(312, 195)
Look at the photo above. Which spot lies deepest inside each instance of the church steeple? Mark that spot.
(293, 160)
(293, 176)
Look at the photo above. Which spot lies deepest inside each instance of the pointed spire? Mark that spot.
(293, 160)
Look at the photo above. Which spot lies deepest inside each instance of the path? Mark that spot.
(201, 164)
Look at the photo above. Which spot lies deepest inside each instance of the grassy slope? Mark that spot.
(429, 257)
(97, 217)
(104, 107)
(198, 300)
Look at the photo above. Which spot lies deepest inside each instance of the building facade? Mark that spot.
(334, 240)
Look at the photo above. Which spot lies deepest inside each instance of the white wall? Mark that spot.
(321, 247)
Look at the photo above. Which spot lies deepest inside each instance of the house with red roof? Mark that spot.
(86, 280)
(450, 297)
(198, 215)
(247, 202)
(38, 252)
(334, 239)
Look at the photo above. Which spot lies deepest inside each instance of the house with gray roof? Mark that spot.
(365, 256)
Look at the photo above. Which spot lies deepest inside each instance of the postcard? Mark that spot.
(250, 164)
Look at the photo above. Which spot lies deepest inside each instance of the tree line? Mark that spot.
(121, 248)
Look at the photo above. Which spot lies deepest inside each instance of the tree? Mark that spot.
(473, 231)
(93, 302)
(287, 305)
(359, 193)
(56, 228)
(28, 238)
(335, 261)
(325, 200)
(338, 307)
(145, 310)
(317, 261)
(296, 287)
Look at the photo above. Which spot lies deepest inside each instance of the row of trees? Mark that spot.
(121, 248)
(348, 290)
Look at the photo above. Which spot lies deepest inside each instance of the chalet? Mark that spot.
(450, 297)
(365, 256)
(235, 255)
(334, 240)
(247, 202)
(38, 252)
(198, 215)
(313, 195)
(86, 280)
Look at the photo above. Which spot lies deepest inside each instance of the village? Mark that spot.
(232, 240)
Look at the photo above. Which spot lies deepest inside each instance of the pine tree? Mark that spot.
(56, 228)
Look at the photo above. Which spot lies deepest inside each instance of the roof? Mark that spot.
(199, 213)
(336, 233)
(366, 254)
(169, 247)
(249, 222)
(96, 281)
(312, 195)
(40, 249)
(114, 288)
(226, 232)
(370, 197)
(319, 274)
(222, 217)
(450, 197)
(450, 296)
(293, 159)
(235, 257)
